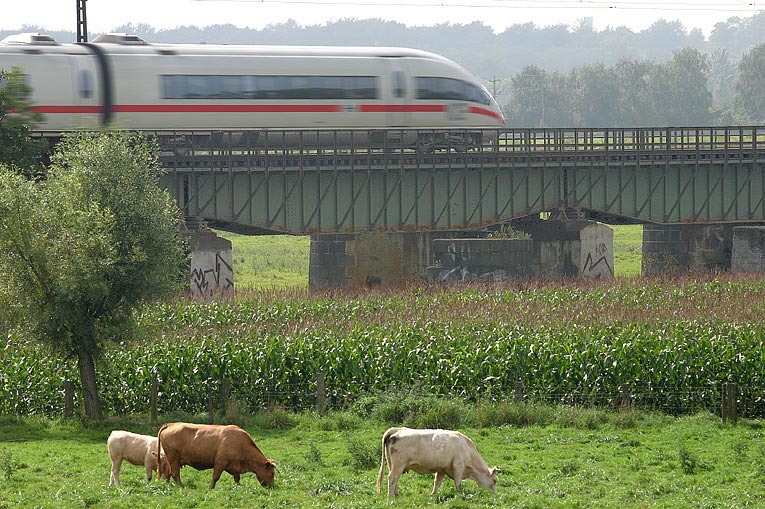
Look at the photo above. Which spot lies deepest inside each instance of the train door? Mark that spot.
(400, 92)
(86, 104)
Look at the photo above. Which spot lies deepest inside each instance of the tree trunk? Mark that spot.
(89, 388)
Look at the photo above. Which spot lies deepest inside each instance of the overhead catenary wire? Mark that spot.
(717, 6)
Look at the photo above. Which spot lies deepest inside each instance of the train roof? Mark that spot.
(131, 44)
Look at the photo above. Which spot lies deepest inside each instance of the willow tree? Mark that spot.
(17, 119)
(82, 249)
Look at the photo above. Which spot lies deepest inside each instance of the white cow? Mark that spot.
(428, 451)
(135, 449)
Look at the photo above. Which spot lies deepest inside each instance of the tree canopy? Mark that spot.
(82, 249)
(750, 87)
(17, 118)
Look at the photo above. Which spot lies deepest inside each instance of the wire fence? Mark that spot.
(728, 400)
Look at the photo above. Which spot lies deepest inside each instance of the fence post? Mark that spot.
(225, 391)
(518, 392)
(627, 402)
(729, 402)
(321, 393)
(68, 399)
(153, 398)
(210, 402)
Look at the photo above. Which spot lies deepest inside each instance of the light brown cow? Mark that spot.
(204, 446)
(428, 451)
(135, 449)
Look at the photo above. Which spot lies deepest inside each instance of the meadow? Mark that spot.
(573, 458)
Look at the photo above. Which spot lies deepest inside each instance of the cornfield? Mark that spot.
(670, 344)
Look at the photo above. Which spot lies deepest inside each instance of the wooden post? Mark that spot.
(153, 398)
(518, 392)
(729, 402)
(210, 403)
(225, 391)
(68, 399)
(627, 403)
(321, 393)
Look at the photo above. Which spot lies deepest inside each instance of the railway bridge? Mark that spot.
(381, 209)
(689, 187)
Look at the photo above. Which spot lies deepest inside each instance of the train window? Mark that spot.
(197, 87)
(172, 87)
(86, 84)
(399, 84)
(229, 87)
(268, 87)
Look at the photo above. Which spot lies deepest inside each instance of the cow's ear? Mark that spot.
(495, 470)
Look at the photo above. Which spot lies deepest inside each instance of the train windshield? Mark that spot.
(450, 89)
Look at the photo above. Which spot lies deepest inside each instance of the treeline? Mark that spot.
(691, 89)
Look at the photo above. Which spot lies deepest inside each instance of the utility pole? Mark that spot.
(496, 89)
(82, 21)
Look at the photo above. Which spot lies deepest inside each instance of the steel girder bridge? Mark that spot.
(360, 180)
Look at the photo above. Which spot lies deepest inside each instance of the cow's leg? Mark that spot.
(458, 476)
(217, 471)
(175, 470)
(437, 483)
(149, 464)
(393, 476)
(114, 477)
(236, 478)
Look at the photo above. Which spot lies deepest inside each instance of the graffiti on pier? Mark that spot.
(596, 263)
(211, 278)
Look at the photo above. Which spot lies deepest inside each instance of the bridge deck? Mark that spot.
(358, 180)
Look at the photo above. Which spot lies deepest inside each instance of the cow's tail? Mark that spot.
(159, 451)
(385, 442)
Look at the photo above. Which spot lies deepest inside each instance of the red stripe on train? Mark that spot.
(68, 109)
(261, 108)
(488, 113)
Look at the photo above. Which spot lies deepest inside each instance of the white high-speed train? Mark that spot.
(119, 80)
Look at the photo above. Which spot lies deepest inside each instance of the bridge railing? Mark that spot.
(179, 143)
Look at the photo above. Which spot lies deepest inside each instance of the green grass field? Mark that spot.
(281, 261)
(628, 245)
(269, 261)
(584, 459)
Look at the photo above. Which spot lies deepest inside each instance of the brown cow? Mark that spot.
(204, 446)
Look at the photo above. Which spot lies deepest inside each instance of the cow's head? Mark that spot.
(265, 474)
(493, 478)
(162, 466)
(486, 478)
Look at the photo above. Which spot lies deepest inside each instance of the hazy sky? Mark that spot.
(105, 15)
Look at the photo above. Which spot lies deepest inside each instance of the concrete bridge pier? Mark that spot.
(748, 249)
(555, 249)
(355, 260)
(212, 268)
(679, 248)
